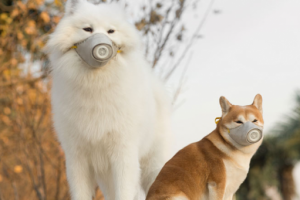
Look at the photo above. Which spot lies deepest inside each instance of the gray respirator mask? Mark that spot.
(246, 134)
(96, 50)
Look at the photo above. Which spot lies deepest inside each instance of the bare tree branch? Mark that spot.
(168, 75)
(180, 83)
(15, 191)
(58, 177)
(160, 48)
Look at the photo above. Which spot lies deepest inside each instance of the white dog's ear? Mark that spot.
(225, 105)
(258, 102)
(71, 5)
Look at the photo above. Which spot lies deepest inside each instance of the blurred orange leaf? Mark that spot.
(29, 30)
(21, 5)
(19, 101)
(3, 34)
(45, 17)
(6, 74)
(13, 61)
(32, 5)
(18, 169)
(56, 19)
(24, 42)
(14, 13)
(5, 140)
(6, 120)
(31, 23)
(20, 88)
(9, 20)
(7, 110)
(39, 2)
(57, 3)
(3, 16)
(20, 35)
(32, 94)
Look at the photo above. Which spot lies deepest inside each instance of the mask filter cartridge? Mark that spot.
(102, 52)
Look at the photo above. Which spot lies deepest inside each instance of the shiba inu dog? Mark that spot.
(214, 168)
(110, 113)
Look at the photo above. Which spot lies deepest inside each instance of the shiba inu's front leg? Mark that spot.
(230, 197)
(216, 191)
(82, 186)
(126, 172)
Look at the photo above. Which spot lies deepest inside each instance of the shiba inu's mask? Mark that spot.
(246, 134)
(96, 50)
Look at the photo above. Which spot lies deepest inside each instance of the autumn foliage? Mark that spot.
(31, 162)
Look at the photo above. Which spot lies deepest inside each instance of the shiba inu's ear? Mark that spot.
(258, 102)
(225, 105)
(71, 5)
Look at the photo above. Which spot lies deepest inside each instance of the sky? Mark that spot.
(250, 47)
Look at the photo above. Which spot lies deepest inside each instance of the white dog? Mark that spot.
(113, 121)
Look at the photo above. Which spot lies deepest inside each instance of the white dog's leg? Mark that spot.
(126, 172)
(151, 166)
(82, 185)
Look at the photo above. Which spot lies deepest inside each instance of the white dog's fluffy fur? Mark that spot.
(112, 122)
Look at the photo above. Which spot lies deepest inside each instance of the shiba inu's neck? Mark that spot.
(240, 155)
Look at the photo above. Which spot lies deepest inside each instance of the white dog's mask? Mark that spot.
(96, 50)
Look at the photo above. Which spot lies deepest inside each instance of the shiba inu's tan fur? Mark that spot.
(214, 167)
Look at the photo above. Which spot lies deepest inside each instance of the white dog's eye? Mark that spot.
(110, 31)
(88, 29)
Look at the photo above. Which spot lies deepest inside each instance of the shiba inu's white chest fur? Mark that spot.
(236, 167)
(235, 175)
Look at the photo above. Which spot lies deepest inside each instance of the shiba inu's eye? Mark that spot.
(88, 29)
(239, 122)
(110, 31)
(254, 120)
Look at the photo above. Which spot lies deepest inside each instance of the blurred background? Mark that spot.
(201, 49)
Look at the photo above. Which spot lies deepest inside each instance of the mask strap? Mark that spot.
(217, 121)
(75, 47)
